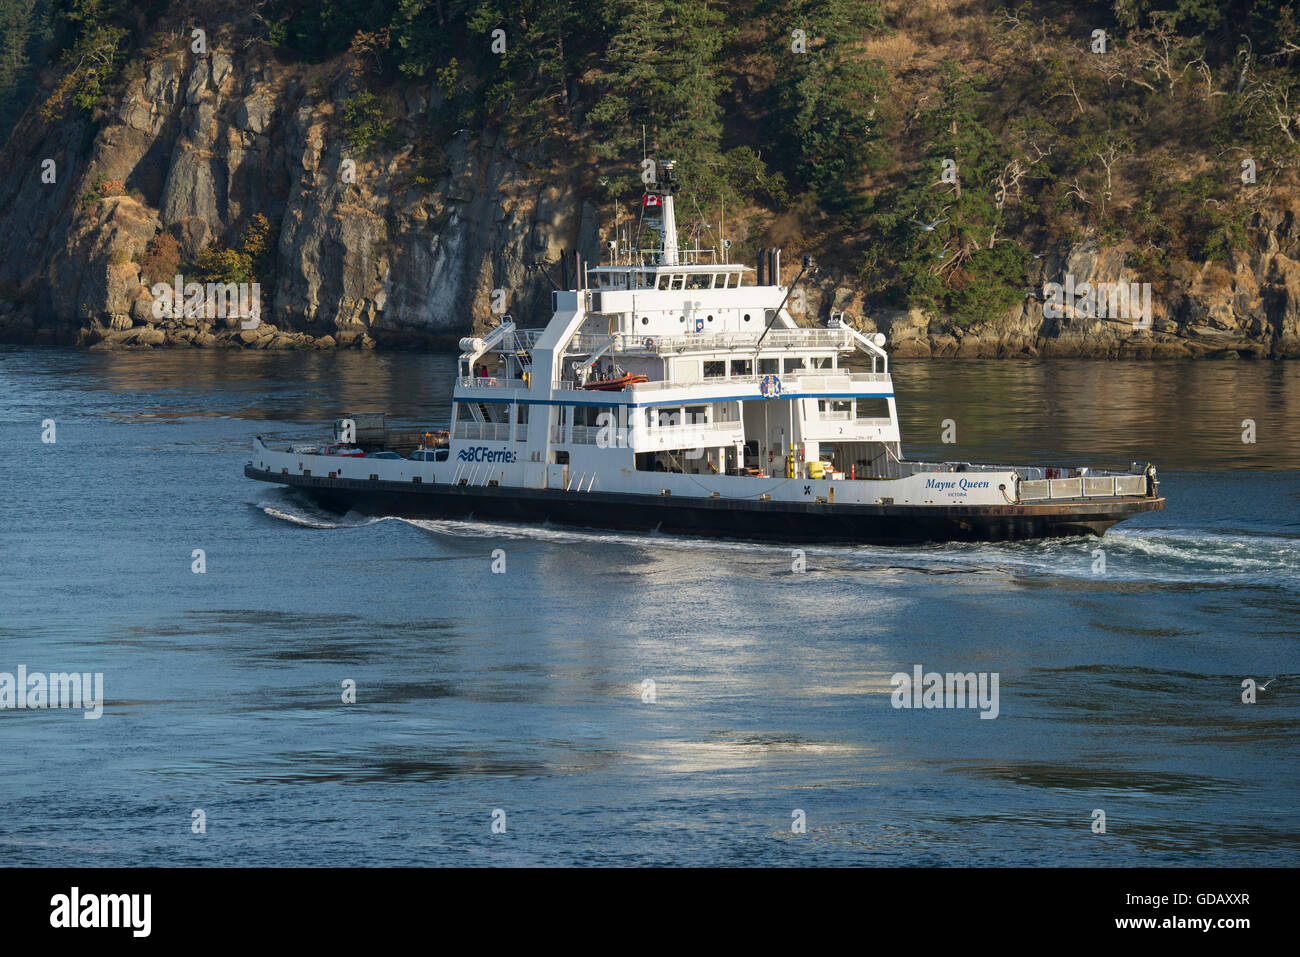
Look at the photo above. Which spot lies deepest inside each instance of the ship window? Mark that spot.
(696, 413)
(521, 414)
(664, 280)
(747, 317)
(715, 369)
(679, 281)
(873, 407)
(645, 320)
(681, 318)
(793, 364)
(821, 362)
(710, 318)
(741, 367)
(769, 366)
(698, 281)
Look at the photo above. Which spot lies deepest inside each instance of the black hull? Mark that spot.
(723, 518)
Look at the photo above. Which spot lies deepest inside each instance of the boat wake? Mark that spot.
(306, 515)
(1136, 555)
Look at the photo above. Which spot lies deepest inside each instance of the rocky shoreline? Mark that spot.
(379, 249)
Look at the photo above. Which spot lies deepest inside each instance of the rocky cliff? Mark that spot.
(367, 250)
(381, 247)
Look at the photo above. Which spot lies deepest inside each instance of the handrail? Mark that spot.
(585, 343)
(862, 342)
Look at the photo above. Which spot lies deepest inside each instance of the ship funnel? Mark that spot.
(762, 259)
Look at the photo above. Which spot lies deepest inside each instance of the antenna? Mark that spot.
(807, 264)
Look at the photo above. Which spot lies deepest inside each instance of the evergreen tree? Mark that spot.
(827, 96)
(661, 75)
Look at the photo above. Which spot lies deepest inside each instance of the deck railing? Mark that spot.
(490, 382)
(488, 431)
(1088, 486)
(739, 342)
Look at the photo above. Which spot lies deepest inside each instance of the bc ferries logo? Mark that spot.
(481, 453)
(769, 387)
(965, 484)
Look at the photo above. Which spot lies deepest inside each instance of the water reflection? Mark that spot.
(1176, 414)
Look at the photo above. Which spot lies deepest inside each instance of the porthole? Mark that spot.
(747, 317)
(681, 318)
(710, 318)
(645, 320)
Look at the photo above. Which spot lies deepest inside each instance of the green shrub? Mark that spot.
(364, 122)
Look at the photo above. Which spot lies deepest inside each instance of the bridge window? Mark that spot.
(822, 362)
(872, 407)
(715, 369)
(664, 280)
(698, 281)
(769, 366)
(792, 365)
(742, 367)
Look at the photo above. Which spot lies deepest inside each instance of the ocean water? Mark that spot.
(519, 697)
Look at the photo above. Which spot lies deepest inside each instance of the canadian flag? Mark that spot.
(651, 200)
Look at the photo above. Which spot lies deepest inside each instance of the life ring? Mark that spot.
(649, 343)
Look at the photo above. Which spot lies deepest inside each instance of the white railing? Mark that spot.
(1088, 486)
(791, 383)
(741, 342)
(490, 382)
(490, 431)
(578, 434)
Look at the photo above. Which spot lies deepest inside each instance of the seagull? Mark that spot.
(1265, 685)
(928, 227)
(1039, 255)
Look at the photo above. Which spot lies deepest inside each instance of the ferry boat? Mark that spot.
(673, 390)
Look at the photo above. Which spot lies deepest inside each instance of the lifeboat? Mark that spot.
(617, 385)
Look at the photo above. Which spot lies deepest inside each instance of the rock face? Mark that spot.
(390, 246)
(370, 247)
(1250, 308)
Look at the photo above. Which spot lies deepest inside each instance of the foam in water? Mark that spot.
(1139, 555)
